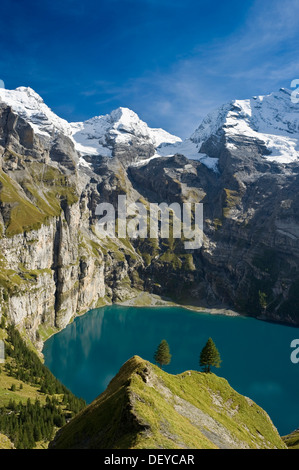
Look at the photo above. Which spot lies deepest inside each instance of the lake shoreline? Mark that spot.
(145, 299)
(148, 300)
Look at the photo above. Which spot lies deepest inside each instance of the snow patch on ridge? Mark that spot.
(190, 150)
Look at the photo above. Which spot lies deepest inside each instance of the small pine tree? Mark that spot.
(209, 356)
(162, 355)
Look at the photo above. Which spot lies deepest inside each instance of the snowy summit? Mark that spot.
(272, 119)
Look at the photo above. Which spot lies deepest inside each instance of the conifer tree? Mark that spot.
(209, 356)
(162, 355)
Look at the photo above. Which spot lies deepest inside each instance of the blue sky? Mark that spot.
(171, 61)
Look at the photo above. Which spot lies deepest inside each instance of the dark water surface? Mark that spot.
(255, 355)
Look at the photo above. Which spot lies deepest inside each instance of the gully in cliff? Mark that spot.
(135, 220)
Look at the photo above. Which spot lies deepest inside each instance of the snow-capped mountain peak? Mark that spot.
(124, 116)
(94, 136)
(30, 106)
(273, 119)
(98, 134)
(30, 93)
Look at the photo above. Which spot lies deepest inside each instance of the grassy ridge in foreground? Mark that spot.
(144, 407)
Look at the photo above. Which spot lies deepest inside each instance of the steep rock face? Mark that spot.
(53, 265)
(44, 277)
(146, 408)
(250, 248)
(249, 258)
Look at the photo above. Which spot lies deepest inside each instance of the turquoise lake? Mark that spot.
(255, 355)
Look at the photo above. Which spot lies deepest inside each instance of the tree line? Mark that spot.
(26, 424)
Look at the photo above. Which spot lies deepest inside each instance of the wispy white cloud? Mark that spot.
(270, 27)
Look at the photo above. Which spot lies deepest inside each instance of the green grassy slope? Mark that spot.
(33, 196)
(144, 407)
